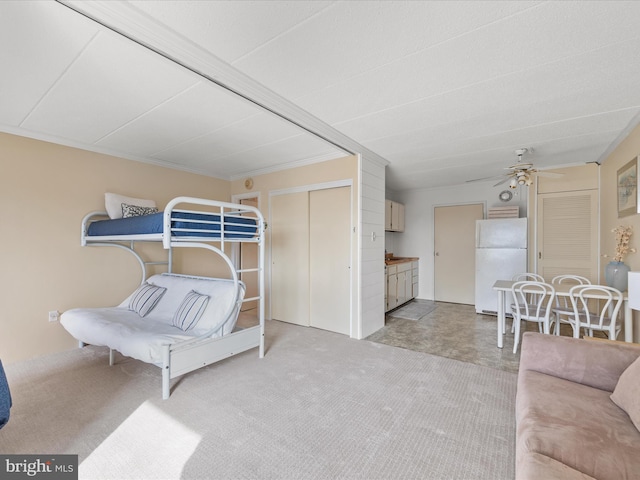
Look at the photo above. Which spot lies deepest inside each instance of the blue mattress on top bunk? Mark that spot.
(190, 225)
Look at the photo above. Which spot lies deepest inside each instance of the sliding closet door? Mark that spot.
(329, 259)
(290, 258)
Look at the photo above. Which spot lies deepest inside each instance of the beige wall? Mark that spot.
(45, 190)
(626, 151)
(329, 171)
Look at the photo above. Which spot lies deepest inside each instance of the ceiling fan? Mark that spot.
(521, 173)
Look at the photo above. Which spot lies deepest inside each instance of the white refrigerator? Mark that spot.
(501, 252)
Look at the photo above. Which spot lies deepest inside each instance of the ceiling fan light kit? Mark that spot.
(520, 152)
(522, 173)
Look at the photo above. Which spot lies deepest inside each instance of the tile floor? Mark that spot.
(454, 331)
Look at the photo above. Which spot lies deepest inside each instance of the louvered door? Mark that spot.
(568, 234)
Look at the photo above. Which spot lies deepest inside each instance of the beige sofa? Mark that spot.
(568, 426)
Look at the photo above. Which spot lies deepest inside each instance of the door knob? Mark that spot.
(437, 254)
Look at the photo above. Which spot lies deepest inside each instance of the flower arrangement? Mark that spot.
(623, 234)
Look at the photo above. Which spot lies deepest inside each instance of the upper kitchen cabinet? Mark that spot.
(393, 216)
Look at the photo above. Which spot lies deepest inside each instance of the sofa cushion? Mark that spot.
(537, 467)
(576, 425)
(627, 392)
(594, 363)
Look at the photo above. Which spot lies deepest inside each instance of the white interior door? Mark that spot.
(290, 258)
(455, 250)
(329, 258)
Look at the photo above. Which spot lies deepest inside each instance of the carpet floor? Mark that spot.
(318, 406)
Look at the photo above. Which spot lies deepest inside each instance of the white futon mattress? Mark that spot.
(122, 330)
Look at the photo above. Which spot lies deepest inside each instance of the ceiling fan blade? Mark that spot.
(501, 182)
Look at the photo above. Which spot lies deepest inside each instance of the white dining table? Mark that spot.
(562, 290)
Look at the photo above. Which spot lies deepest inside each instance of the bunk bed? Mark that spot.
(186, 222)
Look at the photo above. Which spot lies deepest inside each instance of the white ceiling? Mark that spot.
(444, 91)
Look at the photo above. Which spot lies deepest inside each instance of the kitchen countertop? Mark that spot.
(396, 260)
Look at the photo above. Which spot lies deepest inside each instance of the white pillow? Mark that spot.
(113, 203)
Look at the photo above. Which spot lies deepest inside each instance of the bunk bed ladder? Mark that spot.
(250, 270)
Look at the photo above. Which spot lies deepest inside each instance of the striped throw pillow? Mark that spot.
(145, 298)
(190, 310)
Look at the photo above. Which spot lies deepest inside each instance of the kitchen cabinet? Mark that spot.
(393, 216)
(404, 274)
(392, 287)
(401, 282)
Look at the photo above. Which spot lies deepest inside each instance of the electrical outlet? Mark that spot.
(54, 316)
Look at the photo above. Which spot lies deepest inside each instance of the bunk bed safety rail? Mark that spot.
(86, 221)
(229, 220)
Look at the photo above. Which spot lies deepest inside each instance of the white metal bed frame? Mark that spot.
(185, 356)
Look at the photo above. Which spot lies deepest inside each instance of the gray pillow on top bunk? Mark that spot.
(136, 210)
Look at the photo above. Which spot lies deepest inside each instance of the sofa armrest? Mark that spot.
(595, 364)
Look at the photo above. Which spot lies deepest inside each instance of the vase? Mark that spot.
(616, 275)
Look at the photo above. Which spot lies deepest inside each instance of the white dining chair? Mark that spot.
(521, 277)
(533, 302)
(527, 276)
(601, 318)
(577, 279)
(563, 307)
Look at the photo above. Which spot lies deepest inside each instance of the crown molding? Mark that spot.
(126, 20)
(635, 121)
